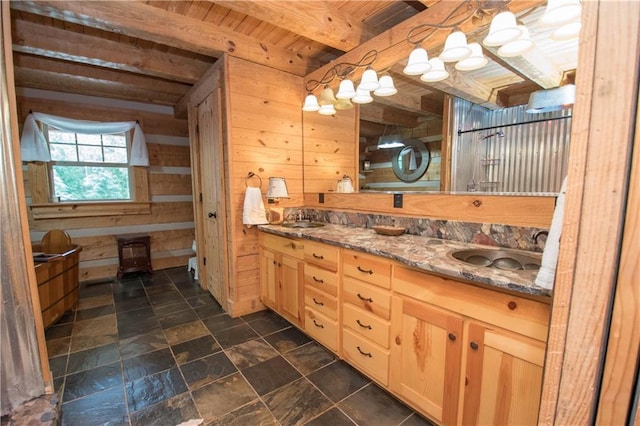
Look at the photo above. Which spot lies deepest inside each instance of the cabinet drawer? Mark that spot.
(518, 314)
(369, 357)
(366, 324)
(321, 279)
(370, 298)
(323, 255)
(321, 302)
(372, 269)
(321, 328)
(288, 246)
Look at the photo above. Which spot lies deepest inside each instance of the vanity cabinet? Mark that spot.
(465, 354)
(281, 276)
(366, 292)
(455, 352)
(321, 278)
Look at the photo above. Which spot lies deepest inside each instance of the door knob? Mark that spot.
(212, 215)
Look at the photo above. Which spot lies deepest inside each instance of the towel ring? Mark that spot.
(252, 175)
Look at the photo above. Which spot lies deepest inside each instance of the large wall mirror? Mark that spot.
(468, 133)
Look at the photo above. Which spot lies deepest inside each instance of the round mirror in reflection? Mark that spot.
(412, 161)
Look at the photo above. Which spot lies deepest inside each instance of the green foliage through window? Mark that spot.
(89, 167)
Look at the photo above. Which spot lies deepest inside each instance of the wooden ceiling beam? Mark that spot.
(386, 115)
(70, 83)
(140, 20)
(57, 43)
(321, 21)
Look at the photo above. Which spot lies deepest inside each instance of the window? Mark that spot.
(89, 167)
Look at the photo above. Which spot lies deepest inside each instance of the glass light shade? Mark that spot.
(326, 97)
(418, 62)
(386, 87)
(552, 99)
(343, 104)
(369, 80)
(362, 96)
(518, 46)
(503, 29)
(567, 31)
(277, 188)
(455, 48)
(473, 62)
(310, 103)
(346, 90)
(327, 109)
(389, 141)
(436, 73)
(559, 12)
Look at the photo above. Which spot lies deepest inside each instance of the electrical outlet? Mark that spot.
(397, 201)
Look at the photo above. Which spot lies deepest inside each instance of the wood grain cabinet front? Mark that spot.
(281, 276)
(366, 310)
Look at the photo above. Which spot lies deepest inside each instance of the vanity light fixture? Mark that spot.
(418, 62)
(455, 47)
(518, 46)
(564, 16)
(329, 103)
(476, 61)
(436, 73)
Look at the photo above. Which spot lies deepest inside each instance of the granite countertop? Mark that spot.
(428, 254)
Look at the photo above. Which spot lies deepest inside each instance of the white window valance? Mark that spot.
(34, 147)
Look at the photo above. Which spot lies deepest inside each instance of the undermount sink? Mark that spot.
(501, 258)
(303, 224)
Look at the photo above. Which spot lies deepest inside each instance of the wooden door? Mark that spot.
(290, 288)
(268, 278)
(213, 196)
(426, 357)
(504, 377)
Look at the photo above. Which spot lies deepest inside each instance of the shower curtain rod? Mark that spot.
(460, 132)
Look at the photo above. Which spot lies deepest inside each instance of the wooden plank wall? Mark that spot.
(170, 224)
(264, 137)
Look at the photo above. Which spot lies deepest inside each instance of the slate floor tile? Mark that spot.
(105, 408)
(150, 390)
(96, 312)
(221, 322)
(270, 375)
(235, 335)
(338, 380)
(148, 364)
(178, 318)
(255, 413)
(143, 343)
(332, 417)
(91, 381)
(182, 333)
(223, 396)
(251, 353)
(287, 339)
(309, 357)
(171, 411)
(269, 324)
(194, 349)
(205, 370)
(372, 405)
(296, 402)
(91, 358)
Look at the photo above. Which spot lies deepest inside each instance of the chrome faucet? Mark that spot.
(538, 234)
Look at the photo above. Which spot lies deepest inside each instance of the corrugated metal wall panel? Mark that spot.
(505, 156)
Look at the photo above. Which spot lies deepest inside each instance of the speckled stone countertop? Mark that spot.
(428, 254)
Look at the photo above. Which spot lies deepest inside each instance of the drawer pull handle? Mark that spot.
(317, 303)
(365, 299)
(366, 271)
(318, 280)
(367, 354)
(474, 346)
(318, 256)
(317, 325)
(368, 327)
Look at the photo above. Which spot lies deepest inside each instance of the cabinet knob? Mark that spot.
(212, 215)
(297, 246)
(474, 346)
(512, 305)
(452, 337)
(398, 340)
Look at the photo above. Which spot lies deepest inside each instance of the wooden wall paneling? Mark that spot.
(255, 144)
(151, 122)
(513, 210)
(168, 155)
(606, 87)
(38, 179)
(169, 184)
(141, 189)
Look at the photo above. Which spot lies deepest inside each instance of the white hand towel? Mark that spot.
(547, 273)
(253, 212)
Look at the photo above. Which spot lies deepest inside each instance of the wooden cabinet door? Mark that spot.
(291, 301)
(426, 354)
(268, 279)
(504, 377)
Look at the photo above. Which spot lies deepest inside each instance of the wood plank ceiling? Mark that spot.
(154, 51)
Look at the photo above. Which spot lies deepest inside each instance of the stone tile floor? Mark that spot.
(158, 350)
